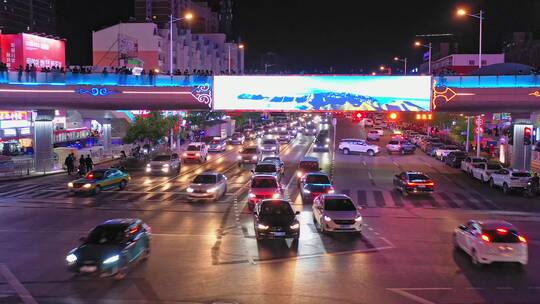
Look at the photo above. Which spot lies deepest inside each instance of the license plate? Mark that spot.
(88, 269)
(278, 233)
(421, 187)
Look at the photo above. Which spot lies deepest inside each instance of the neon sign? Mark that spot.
(13, 115)
(97, 91)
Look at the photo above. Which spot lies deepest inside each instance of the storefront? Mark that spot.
(15, 133)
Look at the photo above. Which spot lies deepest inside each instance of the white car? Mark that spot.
(482, 171)
(348, 146)
(510, 179)
(442, 152)
(336, 213)
(196, 151)
(469, 161)
(373, 135)
(270, 145)
(491, 241)
(380, 130)
(207, 186)
(164, 164)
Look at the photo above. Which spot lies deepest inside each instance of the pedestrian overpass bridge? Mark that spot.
(472, 94)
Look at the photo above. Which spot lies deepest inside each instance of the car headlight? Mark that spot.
(326, 146)
(211, 190)
(71, 258)
(185, 154)
(254, 157)
(148, 169)
(70, 184)
(295, 226)
(197, 154)
(112, 259)
(330, 191)
(276, 195)
(239, 157)
(327, 139)
(87, 186)
(252, 195)
(299, 174)
(165, 169)
(189, 190)
(327, 218)
(165, 166)
(218, 147)
(307, 191)
(147, 165)
(262, 227)
(358, 219)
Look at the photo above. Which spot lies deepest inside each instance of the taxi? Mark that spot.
(100, 179)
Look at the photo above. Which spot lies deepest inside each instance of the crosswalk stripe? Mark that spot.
(379, 198)
(484, 201)
(466, 201)
(415, 202)
(398, 199)
(432, 201)
(388, 199)
(447, 199)
(362, 198)
(20, 190)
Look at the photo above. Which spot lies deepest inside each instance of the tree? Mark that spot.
(152, 128)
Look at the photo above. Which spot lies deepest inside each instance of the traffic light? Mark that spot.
(359, 115)
(392, 116)
(527, 136)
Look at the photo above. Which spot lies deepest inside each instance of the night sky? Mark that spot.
(347, 35)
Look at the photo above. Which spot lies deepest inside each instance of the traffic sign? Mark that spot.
(334, 121)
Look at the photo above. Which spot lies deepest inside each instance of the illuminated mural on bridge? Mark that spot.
(322, 93)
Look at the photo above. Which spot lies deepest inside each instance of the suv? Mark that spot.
(321, 142)
(169, 163)
(249, 155)
(269, 167)
(403, 147)
(348, 146)
(510, 179)
(196, 151)
(263, 186)
(454, 159)
(270, 145)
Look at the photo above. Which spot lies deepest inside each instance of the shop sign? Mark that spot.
(13, 115)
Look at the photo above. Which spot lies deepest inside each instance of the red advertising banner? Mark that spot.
(22, 49)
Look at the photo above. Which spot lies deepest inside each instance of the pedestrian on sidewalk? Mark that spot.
(69, 163)
(82, 166)
(89, 163)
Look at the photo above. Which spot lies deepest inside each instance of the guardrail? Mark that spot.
(18, 167)
(503, 81)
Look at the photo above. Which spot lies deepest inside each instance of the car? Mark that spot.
(442, 152)
(100, 179)
(237, 139)
(432, 147)
(207, 186)
(164, 164)
(454, 159)
(379, 130)
(306, 165)
(350, 145)
(196, 151)
(314, 184)
(293, 131)
(336, 213)
(269, 167)
(366, 122)
(110, 248)
(373, 135)
(270, 145)
(277, 160)
(217, 145)
(249, 155)
(412, 182)
(510, 179)
(276, 219)
(250, 134)
(469, 161)
(263, 186)
(321, 143)
(400, 146)
(489, 241)
(428, 141)
(482, 171)
(284, 137)
(310, 129)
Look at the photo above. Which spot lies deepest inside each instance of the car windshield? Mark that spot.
(418, 177)
(269, 142)
(249, 151)
(95, 175)
(265, 168)
(205, 179)
(283, 133)
(494, 166)
(215, 142)
(317, 179)
(521, 174)
(502, 236)
(263, 183)
(193, 148)
(162, 158)
(276, 209)
(106, 234)
(274, 159)
(393, 142)
(339, 204)
(309, 165)
(451, 147)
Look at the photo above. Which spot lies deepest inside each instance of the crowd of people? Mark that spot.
(86, 164)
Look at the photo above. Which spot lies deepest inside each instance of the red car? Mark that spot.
(263, 186)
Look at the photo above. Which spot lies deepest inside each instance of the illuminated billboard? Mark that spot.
(22, 49)
(322, 93)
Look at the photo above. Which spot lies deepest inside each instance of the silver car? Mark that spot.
(208, 186)
(270, 145)
(164, 164)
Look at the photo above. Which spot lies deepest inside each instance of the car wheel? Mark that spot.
(474, 259)
(97, 190)
(491, 183)
(506, 189)
(122, 185)
(122, 269)
(370, 152)
(346, 151)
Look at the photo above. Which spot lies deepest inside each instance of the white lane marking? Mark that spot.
(370, 175)
(396, 164)
(504, 288)
(404, 293)
(365, 164)
(21, 291)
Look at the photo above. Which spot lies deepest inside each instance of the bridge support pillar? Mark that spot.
(521, 154)
(107, 143)
(43, 141)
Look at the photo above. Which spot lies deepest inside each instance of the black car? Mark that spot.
(413, 182)
(322, 142)
(110, 248)
(276, 219)
(454, 159)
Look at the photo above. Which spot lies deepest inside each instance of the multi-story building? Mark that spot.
(18, 16)
(460, 64)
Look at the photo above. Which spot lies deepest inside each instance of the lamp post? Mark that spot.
(479, 16)
(241, 47)
(428, 46)
(172, 20)
(404, 60)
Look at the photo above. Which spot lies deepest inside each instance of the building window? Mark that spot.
(471, 62)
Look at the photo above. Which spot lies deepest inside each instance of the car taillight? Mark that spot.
(330, 191)
(522, 239)
(485, 238)
(197, 154)
(502, 230)
(185, 154)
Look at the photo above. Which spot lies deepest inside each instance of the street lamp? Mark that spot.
(479, 16)
(172, 20)
(404, 60)
(428, 46)
(241, 47)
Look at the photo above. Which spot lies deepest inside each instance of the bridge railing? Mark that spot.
(503, 81)
(69, 78)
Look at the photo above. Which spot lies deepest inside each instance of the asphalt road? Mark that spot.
(207, 252)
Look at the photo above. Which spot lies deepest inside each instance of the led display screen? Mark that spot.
(322, 93)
